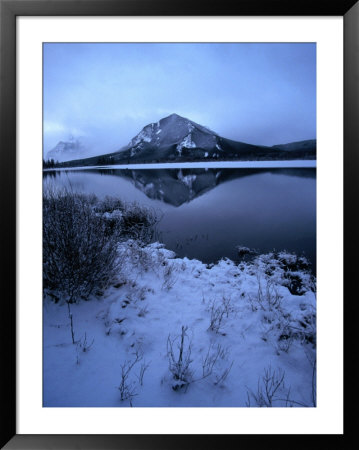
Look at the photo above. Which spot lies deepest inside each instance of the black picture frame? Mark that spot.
(9, 10)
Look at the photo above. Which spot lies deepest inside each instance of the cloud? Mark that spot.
(53, 127)
(257, 93)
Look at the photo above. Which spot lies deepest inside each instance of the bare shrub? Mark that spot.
(277, 330)
(221, 378)
(268, 386)
(218, 311)
(227, 305)
(210, 361)
(80, 240)
(180, 360)
(269, 390)
(79, 248)
(268, 297)
(127, 387)
(82, 346)
(143, 369)
(217, 314)
(169, 275)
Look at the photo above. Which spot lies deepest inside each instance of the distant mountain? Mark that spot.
(309, 146)
(177, 139)
(66, 151)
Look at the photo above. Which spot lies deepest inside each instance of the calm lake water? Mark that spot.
(206, 213)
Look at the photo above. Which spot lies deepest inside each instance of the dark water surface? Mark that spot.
(206, 213)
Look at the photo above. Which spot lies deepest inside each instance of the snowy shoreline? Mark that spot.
(252, 320)
(299, 164)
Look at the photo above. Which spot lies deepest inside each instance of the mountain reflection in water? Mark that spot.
(178, 186)
(206, 213)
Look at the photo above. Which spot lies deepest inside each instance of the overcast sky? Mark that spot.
(106, 93)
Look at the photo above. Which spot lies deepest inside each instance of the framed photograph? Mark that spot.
(175, 198)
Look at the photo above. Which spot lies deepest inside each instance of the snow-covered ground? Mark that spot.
(211, 164)
(247, 340)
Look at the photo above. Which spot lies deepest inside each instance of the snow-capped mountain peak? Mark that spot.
(173, 130)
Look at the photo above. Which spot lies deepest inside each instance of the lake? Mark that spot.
(206, 213)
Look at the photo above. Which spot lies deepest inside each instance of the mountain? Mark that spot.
(66, 151)
(177, 139)
(309, 145)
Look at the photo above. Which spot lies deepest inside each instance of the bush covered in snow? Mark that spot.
(287, 269)
(81, 235)
(138, 222)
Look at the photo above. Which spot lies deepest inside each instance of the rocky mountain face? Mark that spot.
(173, 133)
(176, 138)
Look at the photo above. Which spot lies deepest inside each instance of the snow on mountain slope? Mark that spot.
(173, 130)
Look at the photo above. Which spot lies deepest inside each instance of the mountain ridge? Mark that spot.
(177, 139)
